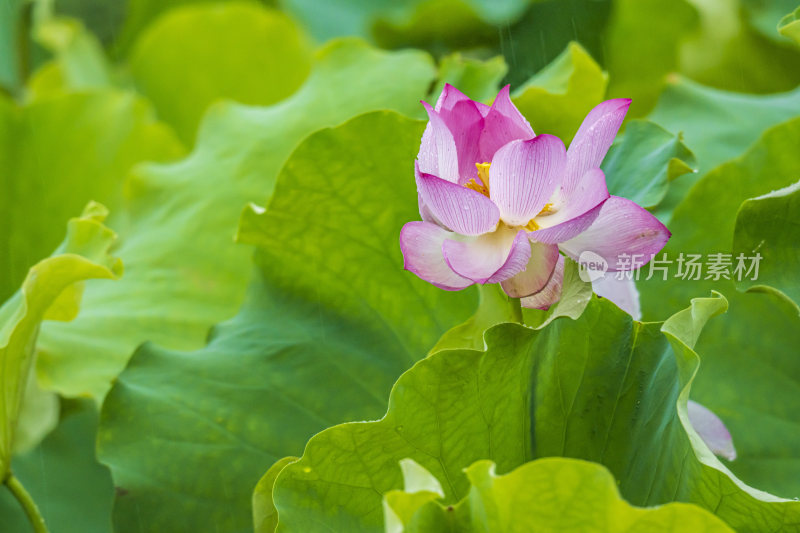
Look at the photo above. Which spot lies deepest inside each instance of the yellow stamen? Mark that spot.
(532, 225)
(475, 186)
(546, 210)
(483, 175)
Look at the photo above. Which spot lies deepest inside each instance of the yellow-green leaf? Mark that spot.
(83, 255)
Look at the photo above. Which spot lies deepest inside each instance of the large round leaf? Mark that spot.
(643, 41)
(717, 125)
(198, 54)
(51, 290)
(750, 374)
(329, 323)
(769, 226)
(184, 271)
(48, 176)
(601, 388)
(552, 494)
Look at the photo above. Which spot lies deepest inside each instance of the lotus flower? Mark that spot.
(499, 203)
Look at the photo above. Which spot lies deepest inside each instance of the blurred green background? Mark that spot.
(93, 90)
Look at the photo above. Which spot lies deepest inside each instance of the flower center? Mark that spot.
(483, 188)
(483, 175)
(532, 225)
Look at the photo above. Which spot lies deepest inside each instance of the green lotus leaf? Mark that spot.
(103, 19)
(79, 59)
(477, 79)
(602, 388)
(717, 125)
(558, 97)
(751, 348)
(83, 255)
(141, 14)
(711, 42)
(495, 307)
(705, 221)
(439, 26)
(345, 194)
(643, 41)
(73, 492)
(36, 154)
(329, 323)
(191, 47)
(55, 175)
(768, 225)
(48, 80)
(551, 494)
(497, 13)
(409, 509)
(265, 516)
(764, 16)
(789, 25)
(327, 20)
(547, 28)
(720, 125)
(39, 410)
(371, 18)
(728, 52)
(176, 289)
(642, 163)
(11, 42)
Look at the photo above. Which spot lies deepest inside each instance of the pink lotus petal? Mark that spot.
(503, 124)
(449, 97)
(712, 430)
(462, 210)
(593, 139)
(537, 272)
(490, 258)
(524, 175)
(465, 122)
(421, 243)
(517, 260)
(567, 230)
(575, 214)
(624, 234)
(484, 109)
(426, 214)
(437, 151)
(620, 291)
(551, 292)
(504, 106)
